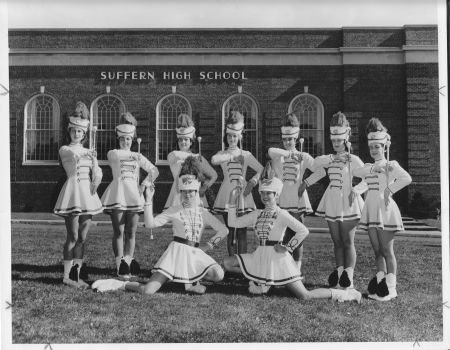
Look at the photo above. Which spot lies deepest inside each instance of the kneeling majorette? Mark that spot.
(185, 260)
(123, 199)
(185, 138)
(271, 264)
(341, 203)
(234, 162)
(78, 199)
(380, 215)
(289, 165)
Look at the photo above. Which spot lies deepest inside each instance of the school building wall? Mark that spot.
(389, 73)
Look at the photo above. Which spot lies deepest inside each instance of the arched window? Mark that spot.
(248, 108)
(41, 130)
(167, 111)
(105, 114)
(309, 111)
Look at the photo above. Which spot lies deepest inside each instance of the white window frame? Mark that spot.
(159, 161)
(91, 118)
(320, 112)
(25, 139)
(246, 129)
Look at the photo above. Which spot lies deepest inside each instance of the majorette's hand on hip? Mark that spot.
(93, 188)
(301, 189)
(249, 188)
(280, 248)
(204, 247)
(202, 190)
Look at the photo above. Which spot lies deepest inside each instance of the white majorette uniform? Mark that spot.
(233, 175)
(176, 159)
(334, 205)
(265, 265)
(123, 192)
(291, 173)
(75, 197)
(183, 261)
(375, 213)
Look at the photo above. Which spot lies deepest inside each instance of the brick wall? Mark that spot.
(404, 97)
(422, 112)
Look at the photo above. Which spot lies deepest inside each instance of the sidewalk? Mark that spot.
(413, 228)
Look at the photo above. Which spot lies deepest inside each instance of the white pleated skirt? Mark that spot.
(334, 206)
(123, 195)
(267, 266)
(184, 264)
(289, 199)
(75, 198)
(376, 214)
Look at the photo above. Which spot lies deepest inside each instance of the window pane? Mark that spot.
(308, 110)
(42, 129)
(169, 109)
(106, 112)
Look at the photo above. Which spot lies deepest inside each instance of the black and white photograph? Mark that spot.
(244, 173)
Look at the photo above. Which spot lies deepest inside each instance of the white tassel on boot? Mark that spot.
(391, 282)
(342, 295)
(380, 275)
(349, 271)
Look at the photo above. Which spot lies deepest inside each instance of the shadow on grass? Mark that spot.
(91, 270)
(46, 280)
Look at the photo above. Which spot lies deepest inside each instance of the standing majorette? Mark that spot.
(184, 260)
(78, 199)
(123, 199)
(290, 165)
(185, 139)
(341, 203)
(271, 264)
(381, 216)
(234, 162)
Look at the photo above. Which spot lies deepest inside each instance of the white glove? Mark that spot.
(108, 284)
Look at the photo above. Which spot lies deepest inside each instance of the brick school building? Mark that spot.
(384, 72)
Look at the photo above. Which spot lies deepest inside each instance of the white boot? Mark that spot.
(342, 295)
(66, 280)
(349, 272)
(196, 288)
(81, 283)
(258, 288)
(391, 282)
(379, 276)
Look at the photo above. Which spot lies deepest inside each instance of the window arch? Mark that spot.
(105, 114)
(247, 106)
(42, 134)
(167, 111)
(309, 111)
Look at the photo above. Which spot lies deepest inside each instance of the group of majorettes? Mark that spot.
(278, 227)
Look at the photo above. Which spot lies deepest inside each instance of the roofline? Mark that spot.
(278, 29)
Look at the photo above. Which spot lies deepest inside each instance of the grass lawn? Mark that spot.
(46, 311)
